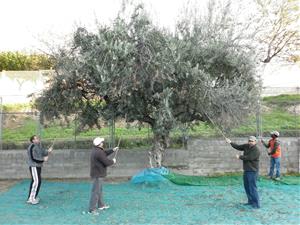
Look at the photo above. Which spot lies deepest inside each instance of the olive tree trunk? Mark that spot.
(157, 153)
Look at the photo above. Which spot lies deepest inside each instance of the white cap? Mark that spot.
(252, 138)
(98, 140)
(276, 133)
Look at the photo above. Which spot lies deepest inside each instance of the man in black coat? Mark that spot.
(251, 166)
(99, 162)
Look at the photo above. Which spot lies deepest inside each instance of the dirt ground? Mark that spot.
(5, 184)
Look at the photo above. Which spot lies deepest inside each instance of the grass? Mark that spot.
(16, 107)
(277, 118)
(282, 100)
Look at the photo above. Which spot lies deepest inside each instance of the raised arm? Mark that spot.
(238, 147)
(267, 145)
(102, 157)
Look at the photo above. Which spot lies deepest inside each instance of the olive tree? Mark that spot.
(139, 72)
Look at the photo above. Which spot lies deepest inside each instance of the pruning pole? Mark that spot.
(118, 148)
(222, 133)
(53, 142)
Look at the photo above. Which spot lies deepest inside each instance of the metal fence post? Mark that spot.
(1, 122)
(112, 133)
(39, 125)
(75, 131)
(259, 120)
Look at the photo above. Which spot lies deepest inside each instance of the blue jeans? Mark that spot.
(250, 178)
(275, 162)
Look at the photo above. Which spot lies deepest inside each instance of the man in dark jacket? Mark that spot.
(99, 162)
(36, 157)
(251, 166)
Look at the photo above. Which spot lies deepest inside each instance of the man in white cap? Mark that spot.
(99, 162)
(274, 150)
(251, 166)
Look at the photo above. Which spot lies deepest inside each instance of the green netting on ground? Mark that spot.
(164, 203)
(224, 180)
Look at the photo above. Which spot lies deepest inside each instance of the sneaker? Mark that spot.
(94, 213)
(33, 201)
(277, 178)
(104, 207)
(247, 203)
(269, 177)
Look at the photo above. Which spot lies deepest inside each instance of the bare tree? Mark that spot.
(278, 30)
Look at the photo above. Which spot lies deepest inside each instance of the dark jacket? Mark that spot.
(99, 162)
(250, 157)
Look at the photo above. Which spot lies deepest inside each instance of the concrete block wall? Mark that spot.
(209, 157)
(69, 163)
(202, 157)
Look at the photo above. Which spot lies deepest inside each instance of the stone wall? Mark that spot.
(202, 157)
(215, 156)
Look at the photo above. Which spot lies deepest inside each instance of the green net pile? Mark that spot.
(224, 180)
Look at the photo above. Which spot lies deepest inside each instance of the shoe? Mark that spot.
(104, 207)
(255, 207)
(33, 201)
(277, 178)
(269, 177)
(93, 212)
(247, 203)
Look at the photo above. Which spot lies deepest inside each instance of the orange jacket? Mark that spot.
(275, 148)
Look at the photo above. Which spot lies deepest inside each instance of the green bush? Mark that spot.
(21, 61)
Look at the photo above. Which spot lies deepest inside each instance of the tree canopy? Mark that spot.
(140, 72)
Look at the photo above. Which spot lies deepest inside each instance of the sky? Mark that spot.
(26, 24)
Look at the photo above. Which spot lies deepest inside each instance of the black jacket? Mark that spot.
(250, 157)
(99, 162)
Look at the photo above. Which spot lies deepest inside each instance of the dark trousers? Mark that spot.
(36, 181)
(96, 200)
(250, 178)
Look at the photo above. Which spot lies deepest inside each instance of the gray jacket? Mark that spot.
(36, 155)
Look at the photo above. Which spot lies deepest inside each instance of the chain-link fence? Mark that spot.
(17, 127)
(279, 112)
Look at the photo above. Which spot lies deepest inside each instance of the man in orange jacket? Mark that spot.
(275, 152)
